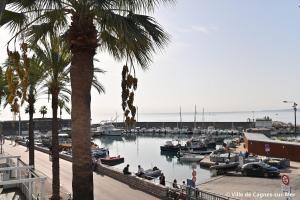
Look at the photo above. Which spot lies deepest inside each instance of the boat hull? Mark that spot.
(111, 161)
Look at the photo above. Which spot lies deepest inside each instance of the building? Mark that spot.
(265, 122)
(260, 144)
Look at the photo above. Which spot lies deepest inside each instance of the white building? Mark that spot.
(265, 122)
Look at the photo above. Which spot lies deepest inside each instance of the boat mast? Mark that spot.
(195, 117)
(203, 118)
(180, 117)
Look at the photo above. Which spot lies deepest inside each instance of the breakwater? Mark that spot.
(44, 124)
(204, 125)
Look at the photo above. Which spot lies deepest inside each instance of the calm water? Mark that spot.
(145, 151)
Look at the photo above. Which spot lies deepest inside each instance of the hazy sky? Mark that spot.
(224, 56)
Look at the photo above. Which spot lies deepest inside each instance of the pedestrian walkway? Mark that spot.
(105, 188)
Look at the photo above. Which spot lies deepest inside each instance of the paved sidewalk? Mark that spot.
(105, 188)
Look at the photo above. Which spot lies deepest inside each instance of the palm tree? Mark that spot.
(36, 76)
(62, 105)
(55, 57)
(119, 26)
(3, 86)
(43, 110)
(2, 7)
(23, 75)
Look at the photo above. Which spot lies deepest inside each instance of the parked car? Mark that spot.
(259, 169)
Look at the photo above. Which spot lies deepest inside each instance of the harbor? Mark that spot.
(206, 158)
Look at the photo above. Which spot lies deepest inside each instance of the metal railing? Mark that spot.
(16, 174)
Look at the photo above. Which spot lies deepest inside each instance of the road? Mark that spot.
(104, 186)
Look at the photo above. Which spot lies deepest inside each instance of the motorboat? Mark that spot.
(191, 158)
(108, 129)
(182, 152)
(111, 161)
(170, 147)
(194, 144)
(100, 152)
(150, 174)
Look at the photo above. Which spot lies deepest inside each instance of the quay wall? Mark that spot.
(217, 125)
(44, 124)
(134, 181)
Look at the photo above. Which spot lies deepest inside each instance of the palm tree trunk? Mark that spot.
(2, 7)
(82, 37)
(55, 149)
(31, 102)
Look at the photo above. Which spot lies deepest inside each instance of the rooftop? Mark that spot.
(263, 138)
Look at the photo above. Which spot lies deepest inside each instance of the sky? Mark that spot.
(223, 56)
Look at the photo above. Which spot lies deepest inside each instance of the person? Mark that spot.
(246, 154)
(140, 171)
(126, 170)
(27, 145)
(183, 187)
(155, 168)
(175, 184)
(162, 179)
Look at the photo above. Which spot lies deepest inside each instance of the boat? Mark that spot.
(150, 174)
(108, 129)
(182, 152)
(191, 158)
(111, 161)
(100, 152)
(225, 166)
(170, 147)
(195, 144)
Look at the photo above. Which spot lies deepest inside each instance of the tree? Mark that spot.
(119, 26)
(2, 7)
(55, 58)
(36, 76)
(43, 110)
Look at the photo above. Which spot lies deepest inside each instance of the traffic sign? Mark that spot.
(285, 179)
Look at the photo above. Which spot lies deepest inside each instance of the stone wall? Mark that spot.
(134, 181)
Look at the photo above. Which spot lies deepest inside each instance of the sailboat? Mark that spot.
(195, 129)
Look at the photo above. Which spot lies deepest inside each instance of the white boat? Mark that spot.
(109, 129)
(191, 158)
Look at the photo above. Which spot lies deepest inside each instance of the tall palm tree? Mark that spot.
(43, 110)
(23, 75)
(55, 57)
(120, 26)
(2, 7)
(36, 77)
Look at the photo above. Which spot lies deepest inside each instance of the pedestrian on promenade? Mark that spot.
(50, 153)
(27, 145)
(162, 179)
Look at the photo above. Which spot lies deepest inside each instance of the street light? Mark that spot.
(295, 110)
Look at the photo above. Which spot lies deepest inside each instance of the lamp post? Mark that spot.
(294, 105)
